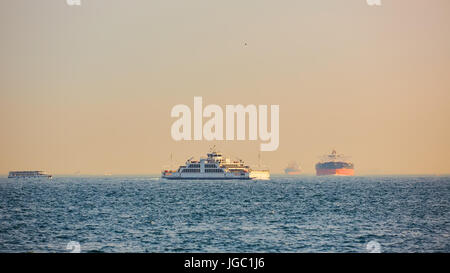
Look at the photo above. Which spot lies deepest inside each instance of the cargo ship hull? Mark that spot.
(349, 172)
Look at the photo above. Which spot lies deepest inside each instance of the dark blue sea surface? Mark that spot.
(285, 214)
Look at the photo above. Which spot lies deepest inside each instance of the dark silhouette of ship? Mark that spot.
(293, 169)
(29, 174)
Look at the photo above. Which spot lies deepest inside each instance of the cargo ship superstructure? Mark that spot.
(334, 164)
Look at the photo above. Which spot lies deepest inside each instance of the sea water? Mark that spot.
(284, 214)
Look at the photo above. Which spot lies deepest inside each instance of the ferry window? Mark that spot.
(191, 170)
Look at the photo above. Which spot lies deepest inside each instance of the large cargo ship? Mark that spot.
(29, 174)
(293, 169)
(334, 164)
(215, 166)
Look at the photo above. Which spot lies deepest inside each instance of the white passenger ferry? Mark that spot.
(29, 174)
(215, 166)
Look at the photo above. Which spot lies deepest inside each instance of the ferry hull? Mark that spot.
(206, 178)
(344, 172)
(203, 176)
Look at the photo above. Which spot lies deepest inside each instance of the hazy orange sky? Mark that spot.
(90, 88)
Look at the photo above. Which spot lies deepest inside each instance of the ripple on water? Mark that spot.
(285, 214)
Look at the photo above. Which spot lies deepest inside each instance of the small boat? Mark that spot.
(29, 174)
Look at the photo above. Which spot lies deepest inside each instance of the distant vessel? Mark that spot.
(293, 169)
(260, 174)
(215, 166)
(334, 164)
(29, 174)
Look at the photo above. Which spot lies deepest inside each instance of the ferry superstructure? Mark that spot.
(335, 164)
(214, 166)
(29, 174)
